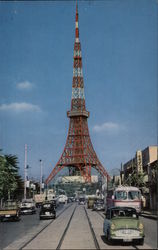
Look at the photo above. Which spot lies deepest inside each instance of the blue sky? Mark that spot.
(119, 53)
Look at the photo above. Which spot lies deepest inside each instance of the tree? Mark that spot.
(153, 181)
(19, 192)
(8, 175)
(136, 179)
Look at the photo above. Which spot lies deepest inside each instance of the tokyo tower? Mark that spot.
(78, 153)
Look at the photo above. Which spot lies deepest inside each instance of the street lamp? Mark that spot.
(41, 169)
(25, 171)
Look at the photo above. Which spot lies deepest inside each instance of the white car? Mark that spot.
(27, 207)
(62, 198)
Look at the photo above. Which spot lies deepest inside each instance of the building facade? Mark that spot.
(145, 165)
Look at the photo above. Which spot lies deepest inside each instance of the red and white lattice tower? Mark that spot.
(78, 152)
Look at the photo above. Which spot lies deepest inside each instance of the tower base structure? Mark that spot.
(78, 152)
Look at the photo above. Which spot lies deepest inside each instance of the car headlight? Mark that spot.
(141, 226)
(112, 226)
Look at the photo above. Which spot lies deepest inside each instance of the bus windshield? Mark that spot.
(120, 195)
(133, 195)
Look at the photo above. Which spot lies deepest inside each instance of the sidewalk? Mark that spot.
(150, 215)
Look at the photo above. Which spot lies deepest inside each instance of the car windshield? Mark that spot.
(99, 201)
(120, 195)
(123, 213)
(81, 199)
(46, 205)
(25, 208)
(133, 195)
(27, 203)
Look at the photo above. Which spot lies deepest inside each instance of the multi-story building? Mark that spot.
(146, 163)
(150, 167)
(133, 165)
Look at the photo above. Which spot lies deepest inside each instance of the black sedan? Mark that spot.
(99, 205)
(47, 211)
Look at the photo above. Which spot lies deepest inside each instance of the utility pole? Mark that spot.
(41, 176)
(25, 171)
(121, 173)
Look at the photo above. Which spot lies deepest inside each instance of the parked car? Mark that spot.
(28, 207)
(47, 211)
(122, 223)
(99, 205)
(10, 211)
(82, 201)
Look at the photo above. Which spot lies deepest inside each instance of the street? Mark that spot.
(72, 229)
(150, 232)
(11, 231)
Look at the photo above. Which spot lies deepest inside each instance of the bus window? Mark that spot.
(120, 195)
(133, 195)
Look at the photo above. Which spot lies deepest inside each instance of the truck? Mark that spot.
(48, 195)
(39, 199)
(10, 211)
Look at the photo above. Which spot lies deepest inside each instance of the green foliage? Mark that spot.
(8, 175)
(154, 173)
(136, 179)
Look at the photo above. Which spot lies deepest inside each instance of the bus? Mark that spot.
(124, 196)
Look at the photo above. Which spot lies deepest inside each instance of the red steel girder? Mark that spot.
(78, 151)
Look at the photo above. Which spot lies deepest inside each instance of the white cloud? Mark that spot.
(107, 127)
(24, 85)
(20, 107)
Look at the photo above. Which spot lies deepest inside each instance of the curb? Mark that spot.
(149, 216)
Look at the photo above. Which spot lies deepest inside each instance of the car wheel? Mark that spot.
(141, 242)
(17, 218)
(108, 237)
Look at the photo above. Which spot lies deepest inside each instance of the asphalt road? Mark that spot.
(151, 232)
(12, 230)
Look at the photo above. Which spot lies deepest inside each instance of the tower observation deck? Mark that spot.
(78, 152)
